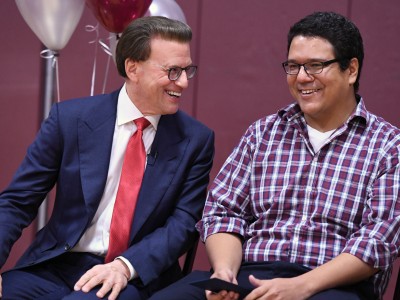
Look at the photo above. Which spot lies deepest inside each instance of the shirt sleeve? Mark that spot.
(377, 241)
(130, 267)
(227, 204)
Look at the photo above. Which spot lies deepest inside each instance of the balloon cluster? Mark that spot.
(116, 15)
(54, 21)
(166, 8)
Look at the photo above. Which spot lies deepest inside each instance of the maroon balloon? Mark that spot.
(115, 15)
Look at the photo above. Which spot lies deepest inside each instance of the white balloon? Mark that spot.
(166, 8)
(53, 21)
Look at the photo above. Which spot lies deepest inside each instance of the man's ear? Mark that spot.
(131, 69)
(353, 70)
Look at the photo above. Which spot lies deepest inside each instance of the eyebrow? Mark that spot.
(176, 66)
(310, 60)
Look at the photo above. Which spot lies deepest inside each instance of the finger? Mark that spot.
(115, 292)
(81, 282)
(88, 277)
(91, 283)
(233, 295)
(105, 288)
(255, 281)
(215, 295)
(256, 294)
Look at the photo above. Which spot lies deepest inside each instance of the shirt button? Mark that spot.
(67, 247)
(304, 218)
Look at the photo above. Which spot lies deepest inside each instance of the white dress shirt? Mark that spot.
(96, 238)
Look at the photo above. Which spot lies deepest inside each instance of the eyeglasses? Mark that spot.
(175, 72)
(310, 68)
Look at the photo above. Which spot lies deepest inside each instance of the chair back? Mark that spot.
(189, 258)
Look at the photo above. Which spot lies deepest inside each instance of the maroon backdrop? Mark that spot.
(238, 46)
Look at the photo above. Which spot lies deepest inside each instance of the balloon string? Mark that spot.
(52, 54)
(106, 74)
(108, 51)
(105, 47)
(91, 28)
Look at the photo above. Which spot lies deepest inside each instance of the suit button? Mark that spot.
(67, 247)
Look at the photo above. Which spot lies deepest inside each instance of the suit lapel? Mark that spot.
(167, 152)
(95, 135)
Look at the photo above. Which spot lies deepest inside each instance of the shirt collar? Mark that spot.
(127, 110)
(293, 111)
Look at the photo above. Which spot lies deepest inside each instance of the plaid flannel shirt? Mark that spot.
(291, 204)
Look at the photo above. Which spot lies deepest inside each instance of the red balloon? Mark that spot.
(115, 15)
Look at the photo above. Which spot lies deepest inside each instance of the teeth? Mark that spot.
(308, 91)
(175, 94)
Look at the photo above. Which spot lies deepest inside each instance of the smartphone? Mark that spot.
(216, 285)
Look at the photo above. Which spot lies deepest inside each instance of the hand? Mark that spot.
(277, 289)
(223, 295)
(1, 287)
(112, 276)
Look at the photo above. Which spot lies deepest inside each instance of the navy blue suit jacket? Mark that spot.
(72, 151)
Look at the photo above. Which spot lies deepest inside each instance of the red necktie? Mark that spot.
(128, 191)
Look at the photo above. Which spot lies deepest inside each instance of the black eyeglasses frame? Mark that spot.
(323, 65)
(179, 72)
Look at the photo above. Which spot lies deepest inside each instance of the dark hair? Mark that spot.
(134, 42)
(337, 30)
